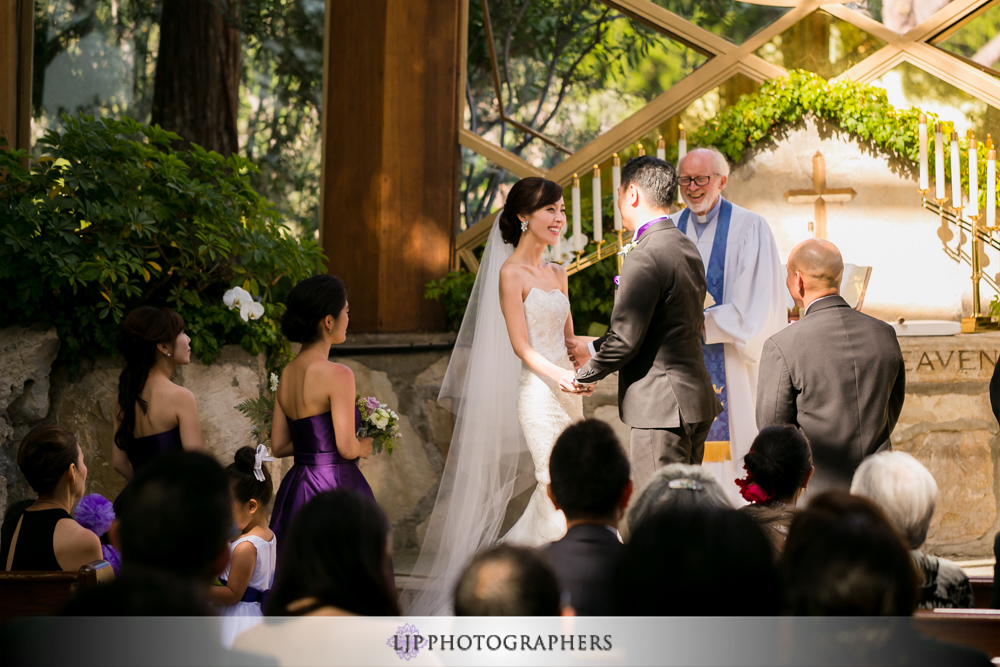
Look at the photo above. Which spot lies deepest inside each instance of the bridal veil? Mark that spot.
(488, 462)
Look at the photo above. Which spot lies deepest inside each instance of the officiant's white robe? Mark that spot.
(753, 308)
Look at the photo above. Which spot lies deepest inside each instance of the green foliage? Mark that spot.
(112, 217)
(453, 293)
(260, 412)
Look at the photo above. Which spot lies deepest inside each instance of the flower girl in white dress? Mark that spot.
(250, 572)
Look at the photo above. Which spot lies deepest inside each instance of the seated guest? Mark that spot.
(696, 561)
(42, 535)
(844, 558)
(676, 486)
(906, 491)
(591, 485)
(779, 466)
(172, 531)
(837, 373)
(507, 581)
(335, 560)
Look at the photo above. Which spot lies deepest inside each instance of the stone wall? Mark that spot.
(31, 394)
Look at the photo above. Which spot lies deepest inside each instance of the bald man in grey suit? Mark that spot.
(836, 373)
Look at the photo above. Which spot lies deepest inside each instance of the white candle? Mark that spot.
(938, 162)
(598, 223)
(661, 148)
(616, 182)
(922, 131)
(956, 178)
(682, 145)
(642, 151)
(991, 182)
(577, 233)
(973, 176)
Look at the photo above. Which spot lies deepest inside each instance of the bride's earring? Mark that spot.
(524, 226)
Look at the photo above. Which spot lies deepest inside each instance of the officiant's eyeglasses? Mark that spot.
(685, 181)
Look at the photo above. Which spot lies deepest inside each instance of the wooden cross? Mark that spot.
(819, 195)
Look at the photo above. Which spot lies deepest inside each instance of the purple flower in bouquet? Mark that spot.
(371, 403)
(95, 513)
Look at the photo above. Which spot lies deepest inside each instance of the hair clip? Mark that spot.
(685, 483)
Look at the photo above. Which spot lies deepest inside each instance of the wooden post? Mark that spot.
(16, 23)
(390, 155)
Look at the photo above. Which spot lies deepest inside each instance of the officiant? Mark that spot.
(747, 286)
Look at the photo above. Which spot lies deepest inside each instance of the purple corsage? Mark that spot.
(618, 280)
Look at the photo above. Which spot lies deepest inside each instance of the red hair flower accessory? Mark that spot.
(751, 491)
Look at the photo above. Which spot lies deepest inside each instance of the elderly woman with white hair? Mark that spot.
(675, 486)
(906, 491)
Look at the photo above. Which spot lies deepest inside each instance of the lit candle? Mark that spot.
(682, 144)
(991, 182)
(973, 177)
(576, 214)
(661, 148)
(642, 151)
(598, 223)
(922, 131)
(956, 178)
(938, 162)
(616, 182)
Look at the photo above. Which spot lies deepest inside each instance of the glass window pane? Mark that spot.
(978, 40)
(96, 57)
(731, 20)
(898, 16)
(822, 44)
(483, 188)
(907, 85)
(570, 70)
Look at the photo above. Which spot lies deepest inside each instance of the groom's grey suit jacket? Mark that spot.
(838, 374)
(655, 334)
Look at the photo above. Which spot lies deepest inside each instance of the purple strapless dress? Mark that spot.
(147, 448)
(318, 467)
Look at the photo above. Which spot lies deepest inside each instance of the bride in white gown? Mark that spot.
(505, 380)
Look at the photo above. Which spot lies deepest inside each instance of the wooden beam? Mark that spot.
(512, 163)
(16, 34)
(390, 164)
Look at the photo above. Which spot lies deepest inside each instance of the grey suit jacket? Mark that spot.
(655, 334)
(838, 374)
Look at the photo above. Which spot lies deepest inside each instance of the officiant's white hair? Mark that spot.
(903, 488)
(719, 162)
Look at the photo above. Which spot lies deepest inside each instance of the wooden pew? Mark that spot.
(982, 588)
(978, 628)
(29, 593)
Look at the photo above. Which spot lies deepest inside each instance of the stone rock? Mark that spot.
(961, 358)
(26, 356)
(440, 420)
(401, 480)
(962, 464)
(33, 403)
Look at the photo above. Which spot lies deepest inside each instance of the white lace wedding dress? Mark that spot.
(544, 411)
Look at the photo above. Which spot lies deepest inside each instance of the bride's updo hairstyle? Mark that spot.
(527, 196)
(143, 329)
(309, 302)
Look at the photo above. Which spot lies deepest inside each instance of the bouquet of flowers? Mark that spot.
(379, 422)
(260, 412)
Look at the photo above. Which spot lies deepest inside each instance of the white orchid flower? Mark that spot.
(236, 297)
(251, 310)
(274, 382)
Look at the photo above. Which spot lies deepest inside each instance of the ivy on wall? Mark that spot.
(751, 122)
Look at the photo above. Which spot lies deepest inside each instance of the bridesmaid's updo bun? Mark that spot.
(527, 196)
(309, 302)
(779, 460)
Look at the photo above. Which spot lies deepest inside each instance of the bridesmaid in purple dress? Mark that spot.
(315, 418)
(154, 415)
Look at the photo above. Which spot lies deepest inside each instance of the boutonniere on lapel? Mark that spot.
(626, 249)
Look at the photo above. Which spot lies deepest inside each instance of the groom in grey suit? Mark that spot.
(664, 391)
(836, 373)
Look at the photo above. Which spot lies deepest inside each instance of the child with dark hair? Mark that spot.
(250, 571)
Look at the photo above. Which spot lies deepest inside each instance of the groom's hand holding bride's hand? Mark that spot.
(569, 384)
